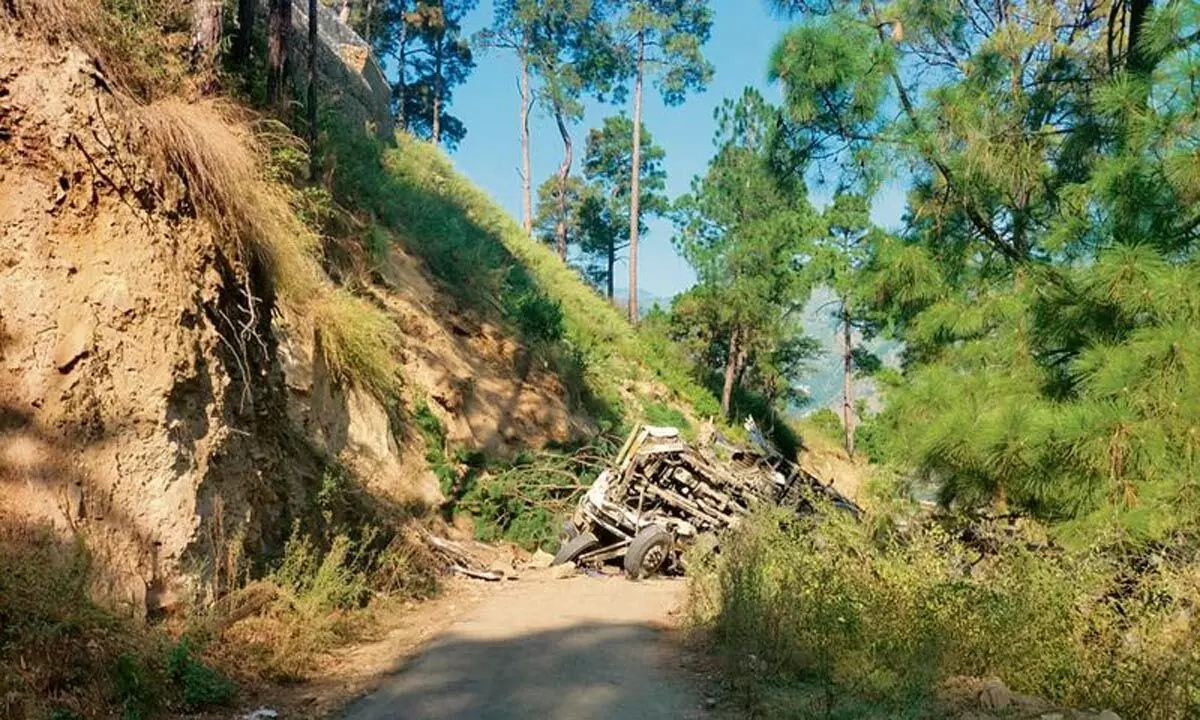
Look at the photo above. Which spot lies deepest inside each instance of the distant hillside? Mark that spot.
(647, 300)
(825, 384)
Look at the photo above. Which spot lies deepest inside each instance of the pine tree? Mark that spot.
(608, 168)
(1044, 286)
(838, 256)
(421, 42)
(567, 47)
(663, 40)
(558, 221)
(742, 228)
(514, 29)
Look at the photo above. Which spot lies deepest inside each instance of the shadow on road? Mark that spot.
(588, 670)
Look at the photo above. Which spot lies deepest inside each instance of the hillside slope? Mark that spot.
(188, 344)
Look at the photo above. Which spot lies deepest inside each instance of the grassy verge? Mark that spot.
(65, 657)
(824, 617)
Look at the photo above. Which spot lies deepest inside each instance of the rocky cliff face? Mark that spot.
(348, 73)
(138, 378)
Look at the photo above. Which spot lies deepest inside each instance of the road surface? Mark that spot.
(542, 648)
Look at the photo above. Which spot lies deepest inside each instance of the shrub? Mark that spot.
(657, 413)
(135, 690)
(839, 615)
(201, 684)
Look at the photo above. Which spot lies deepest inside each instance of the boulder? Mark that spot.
(995, 695)
(540, 559)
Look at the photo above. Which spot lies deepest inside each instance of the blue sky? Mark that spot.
(744, 34)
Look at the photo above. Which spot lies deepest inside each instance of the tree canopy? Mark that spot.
(742, 228)
(1043, 283)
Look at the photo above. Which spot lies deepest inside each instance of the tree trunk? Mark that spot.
(402, 69)
(612, 262)
(848, 419)
(313, 39)
(438, 85)
(206, 39)
(344, 13)
(731, 370)
(279, 32)
(635, 179)
(564, 171)
(526, 177)
(1137, 60)
(247, 9)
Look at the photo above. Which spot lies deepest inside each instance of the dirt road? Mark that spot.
(576, 649)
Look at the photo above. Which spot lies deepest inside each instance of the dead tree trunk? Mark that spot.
(279, 32)
(564, 171)
(344, 12)
(526, 178)
(634, 179)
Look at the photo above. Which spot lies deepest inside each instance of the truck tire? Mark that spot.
(575, 547)
(568, 533)
(648, 551)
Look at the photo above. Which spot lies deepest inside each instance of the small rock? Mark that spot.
(1051, 716)
(564, 571)
(710, 702)
(263, 713)
(1029, 705)
(74, 343)
(540, 559)
(995, 695)
(1108, 715)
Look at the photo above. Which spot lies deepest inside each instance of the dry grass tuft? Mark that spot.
(359, 342)
(220, 168)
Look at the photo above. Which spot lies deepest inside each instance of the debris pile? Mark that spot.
(665, 477)
(661, 493)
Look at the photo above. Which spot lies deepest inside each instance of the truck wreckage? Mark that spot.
(661, 494)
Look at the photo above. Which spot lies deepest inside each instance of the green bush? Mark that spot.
(826, 423)
(136, 691)
(839, 616)
(657, 413)
(201, 684)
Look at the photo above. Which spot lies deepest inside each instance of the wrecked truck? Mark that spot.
(661, 494)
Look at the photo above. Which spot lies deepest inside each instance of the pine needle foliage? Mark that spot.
(1044, 285)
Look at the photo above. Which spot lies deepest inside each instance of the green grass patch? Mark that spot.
(657, 413)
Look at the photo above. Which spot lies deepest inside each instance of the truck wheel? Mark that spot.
(575, 547)
(647, 552)
(568, 533)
